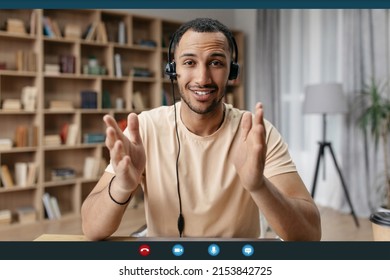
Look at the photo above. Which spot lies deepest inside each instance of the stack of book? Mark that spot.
(5, 217)
(64, 173)
(5, 144)
(11, 104)
(52, 69)
(15, 25)
(52, 140)
(26, 214)
(141, 72)
(60, 105)
(72, 31)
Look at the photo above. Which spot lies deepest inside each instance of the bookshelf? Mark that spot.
(68, 57)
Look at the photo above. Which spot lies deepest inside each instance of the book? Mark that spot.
(67, 64)
(96, 137)
(88, 99)
(55, 28)
(101, 33)
(26, 60)
(47, 206)
(32, 173)
(72, 133)
(140, 72)
(138, 102)
(6, 177)
(122, 123)
(106, 100)
(91, 167)
(55, 207)
(21, 136)
(121, 33)
(118, 65)
(90, 34)
(21, 169)
(47, 29)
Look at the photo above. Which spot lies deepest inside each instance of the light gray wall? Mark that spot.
(245, 20)
(240, 19)
(224, 15)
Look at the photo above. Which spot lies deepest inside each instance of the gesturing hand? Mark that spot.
(249, 158)
(127, 154)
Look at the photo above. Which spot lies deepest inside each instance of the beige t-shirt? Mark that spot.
(213, 201)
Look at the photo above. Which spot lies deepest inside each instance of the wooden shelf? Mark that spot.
(80, 65)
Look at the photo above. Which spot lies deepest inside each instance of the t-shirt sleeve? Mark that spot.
(278, 160)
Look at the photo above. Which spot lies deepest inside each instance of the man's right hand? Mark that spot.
(127, 154)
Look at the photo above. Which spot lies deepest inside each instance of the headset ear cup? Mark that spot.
(170, 70)
(234, 70)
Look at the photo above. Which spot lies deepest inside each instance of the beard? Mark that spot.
(201, 110)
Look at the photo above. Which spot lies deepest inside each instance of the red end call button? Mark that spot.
(144, 250)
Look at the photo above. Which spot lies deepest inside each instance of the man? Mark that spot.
(206, 168)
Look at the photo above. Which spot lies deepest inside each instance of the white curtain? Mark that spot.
(311, 53)
(317, 46)
(366, 56)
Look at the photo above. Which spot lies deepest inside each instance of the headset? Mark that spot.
(170, 70)
(170, 67)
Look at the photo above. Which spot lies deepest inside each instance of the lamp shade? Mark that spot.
(324, 99)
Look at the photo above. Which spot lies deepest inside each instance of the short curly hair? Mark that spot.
(202, 25)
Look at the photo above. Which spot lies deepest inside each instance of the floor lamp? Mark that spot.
(326, 99)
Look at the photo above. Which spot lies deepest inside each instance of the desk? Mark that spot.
(72, 237)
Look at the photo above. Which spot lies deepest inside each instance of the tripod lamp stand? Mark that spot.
(326, 99)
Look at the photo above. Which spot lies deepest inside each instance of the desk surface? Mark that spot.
(71, 237)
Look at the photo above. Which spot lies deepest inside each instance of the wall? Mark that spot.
(224, 15)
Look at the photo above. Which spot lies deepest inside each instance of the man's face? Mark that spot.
(202, 67)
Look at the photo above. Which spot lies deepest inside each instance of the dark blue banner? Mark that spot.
(200, 250)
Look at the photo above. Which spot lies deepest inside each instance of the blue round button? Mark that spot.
(177, 250)
(248, 250)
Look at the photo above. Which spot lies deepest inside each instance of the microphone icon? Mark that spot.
(213, 250)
